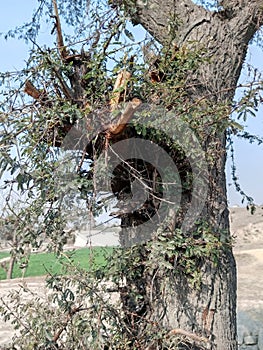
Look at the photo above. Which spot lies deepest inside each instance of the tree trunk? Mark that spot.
(209, 311)
(11, 267)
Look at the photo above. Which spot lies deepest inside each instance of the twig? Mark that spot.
(71, 313)
(60, 42)
(113, 33)
(66, 90)
(81, 161)
(137, 176)
(16, 317)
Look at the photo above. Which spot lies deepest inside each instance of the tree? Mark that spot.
(180, 280)
(8, 234)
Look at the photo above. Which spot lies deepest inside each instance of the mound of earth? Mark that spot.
(247, 228)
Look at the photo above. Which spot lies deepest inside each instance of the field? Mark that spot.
(43, 263)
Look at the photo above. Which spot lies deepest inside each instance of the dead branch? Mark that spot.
(39, 95)
(179, 331)
(119, 86)
(31, 90)
(60, 42)
(116, 128)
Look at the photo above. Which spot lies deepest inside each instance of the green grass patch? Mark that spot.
(4, 255)
(41, 264)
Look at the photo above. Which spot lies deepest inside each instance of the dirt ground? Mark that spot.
(247, 231)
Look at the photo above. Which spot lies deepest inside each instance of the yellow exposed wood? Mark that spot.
(125, 117)
(120, 85)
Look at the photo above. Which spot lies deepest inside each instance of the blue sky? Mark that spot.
(249, 158)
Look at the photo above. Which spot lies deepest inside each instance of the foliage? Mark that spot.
(47, 187)
(87, 307)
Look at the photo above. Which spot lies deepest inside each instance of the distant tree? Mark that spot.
(146, 123)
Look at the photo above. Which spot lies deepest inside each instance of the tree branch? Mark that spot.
(173, 19)
(130, 109)
(69, 317)
(63, 85)
(31, 90)
(60, 42)
(254, 8)
(119, 86)
(39, 95)
(162, 19)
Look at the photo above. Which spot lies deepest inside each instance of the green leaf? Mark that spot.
(236, 125)
(129, 35)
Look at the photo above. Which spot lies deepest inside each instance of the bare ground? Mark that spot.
(247, 231)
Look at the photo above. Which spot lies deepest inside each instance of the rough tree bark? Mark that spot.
(225, 34)
(207, 313)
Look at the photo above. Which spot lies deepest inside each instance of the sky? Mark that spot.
(249, 157)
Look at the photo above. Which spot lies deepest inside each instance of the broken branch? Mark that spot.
(31, 90)
(131, 107)
(60, 42)
(39, 95)
(119, 86)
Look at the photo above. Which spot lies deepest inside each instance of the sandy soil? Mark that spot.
(247, 230)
